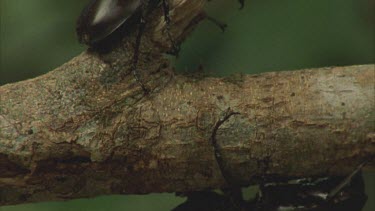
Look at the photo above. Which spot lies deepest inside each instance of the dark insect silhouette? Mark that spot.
(102, 17)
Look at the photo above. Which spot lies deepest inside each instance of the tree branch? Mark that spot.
(86, 128)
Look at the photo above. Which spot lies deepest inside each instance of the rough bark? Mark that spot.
(87, 128)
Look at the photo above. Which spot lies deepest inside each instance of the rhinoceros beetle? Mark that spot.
(100, 18)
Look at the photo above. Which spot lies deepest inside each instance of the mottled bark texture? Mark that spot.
(87, 128)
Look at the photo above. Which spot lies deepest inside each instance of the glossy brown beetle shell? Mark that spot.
(102, 17)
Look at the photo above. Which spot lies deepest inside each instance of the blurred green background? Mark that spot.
(268, 35)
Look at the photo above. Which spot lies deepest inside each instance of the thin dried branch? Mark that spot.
(87, 128)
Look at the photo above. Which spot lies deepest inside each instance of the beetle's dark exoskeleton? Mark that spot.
(101, 17)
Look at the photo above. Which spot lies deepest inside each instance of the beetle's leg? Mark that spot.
(242, 3)
(217, 149)
(345, 182)
(142, 24)
(218, 23)
(175, 48)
